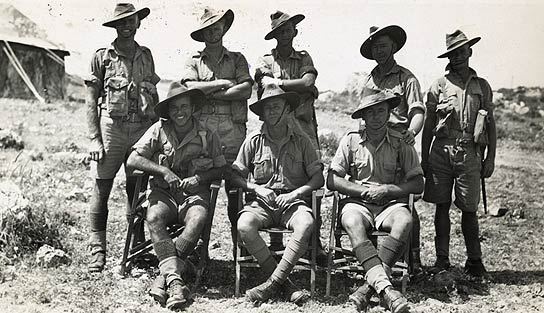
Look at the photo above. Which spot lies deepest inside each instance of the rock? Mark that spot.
(9, 139)
(497, 211)
(48, 256)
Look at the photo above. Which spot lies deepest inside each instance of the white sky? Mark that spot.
(511, 51)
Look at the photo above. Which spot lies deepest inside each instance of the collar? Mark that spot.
(364, 137)
(224, 53)
(448, 68)
(113, 48)
(171, 132)
(266, 133)
(294, 54)
(394, 69)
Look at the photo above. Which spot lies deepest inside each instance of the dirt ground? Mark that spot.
(51, 175)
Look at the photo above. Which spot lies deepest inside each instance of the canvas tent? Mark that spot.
(31, 66)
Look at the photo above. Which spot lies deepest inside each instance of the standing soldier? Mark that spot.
(407, 118)
(224, 77)
(458, 105)
(121, 96)
(293, 71)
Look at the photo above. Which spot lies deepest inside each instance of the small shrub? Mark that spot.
(329, 144)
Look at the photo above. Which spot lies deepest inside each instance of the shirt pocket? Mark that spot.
(293, 167)
(360, 169)
(263, 168)
(389, 172)
(117, 96)
(200, 165)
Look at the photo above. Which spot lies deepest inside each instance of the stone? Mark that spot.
(48, 256)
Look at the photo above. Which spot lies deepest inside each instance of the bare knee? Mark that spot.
(402, 224)
(156, 217)
(303, 225)
(196, 217)
(353, 223)
(248, 225)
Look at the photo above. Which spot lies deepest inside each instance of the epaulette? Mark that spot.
(303, 52)
(196, 55)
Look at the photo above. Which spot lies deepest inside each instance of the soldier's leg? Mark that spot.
(397, 220)
(415, 240)
(98, 215)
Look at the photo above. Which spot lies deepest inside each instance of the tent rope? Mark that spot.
(20, 70)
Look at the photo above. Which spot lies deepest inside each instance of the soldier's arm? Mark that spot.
(237, 92)
(338, 183)
(429, 124)
(302, 84)
(209, 87)
(413, 185)
(93, 120)
(416, 108)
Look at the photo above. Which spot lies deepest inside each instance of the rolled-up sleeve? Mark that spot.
(244, 158)
(410, 162)
(487, 94)
(95, 77)
(263, 69)
(432, 97)
(215, 151)
(313, 164)
(307, 65)
(149, 143)
(190, 71)
(340, 161)
(242, 70)
(413, 96)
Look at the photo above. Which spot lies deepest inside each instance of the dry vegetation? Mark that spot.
(52, 178)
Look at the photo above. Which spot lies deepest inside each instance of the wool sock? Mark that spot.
(257, 247)
(366, 254)
(184, 247)
(294, 250)
(390, 250)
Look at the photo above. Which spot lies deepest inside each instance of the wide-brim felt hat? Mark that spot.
(279, 18)
(456, 40)
(176, 90)
(123, 10)
(275, 92)
(210, 17)
(396, 33)
(374, 97)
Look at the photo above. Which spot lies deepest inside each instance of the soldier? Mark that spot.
(457, 103)
(224, 77)
(184, 157)
(383, 170)
(285, 169)
(120, 98)
(408, 116)
(294, 71)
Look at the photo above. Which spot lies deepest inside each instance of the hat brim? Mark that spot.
(229, 18)
(292, 99)
(198, 99)
(295, 19)
(470, 43)
(142, 13)
(392, 100)
(396, 33)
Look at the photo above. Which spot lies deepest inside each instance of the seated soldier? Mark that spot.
(383, 171)
(184, 157)
(285, 169)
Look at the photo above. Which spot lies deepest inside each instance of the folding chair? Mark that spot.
(344, 259)
(137, 215)
(244, 259)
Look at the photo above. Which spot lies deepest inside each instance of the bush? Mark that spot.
(329, 144)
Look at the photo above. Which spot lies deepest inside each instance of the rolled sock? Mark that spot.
(97, 241)
(184, 247)
(257, 247)
(294, 250)
(366, 254)
(99, 221)
(377, 278)
(169, 263)
(390, 250)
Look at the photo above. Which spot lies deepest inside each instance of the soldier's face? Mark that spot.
(272, 111)
(126, 27)
(376, 116)
(382, 49)
(285, 33)
(214, 33)
(459, 57)
(180, 110)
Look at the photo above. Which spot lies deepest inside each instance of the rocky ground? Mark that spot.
(50, 175)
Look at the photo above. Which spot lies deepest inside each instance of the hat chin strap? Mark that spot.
(281, 116)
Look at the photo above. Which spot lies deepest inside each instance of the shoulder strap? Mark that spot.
(202, 134)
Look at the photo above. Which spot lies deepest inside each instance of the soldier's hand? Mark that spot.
(267, 80)
(266, 194)
(227, 83)
(409, 137)
(285, 199)
(174, 182)
(189, 182)
(487, 168)
(96, 150)
(375, 193)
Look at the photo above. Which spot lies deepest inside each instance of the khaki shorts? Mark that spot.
(118, 137)
(458, 171)
(275, 218)
(231, 134)
(374, 214)
(180, 204)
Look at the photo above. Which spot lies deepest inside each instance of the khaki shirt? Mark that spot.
(293, 67)
(125, 86)
(393, 161)
(231, 65)
(280, 166)
(456, 103)
(401, 81)
(191, 156)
